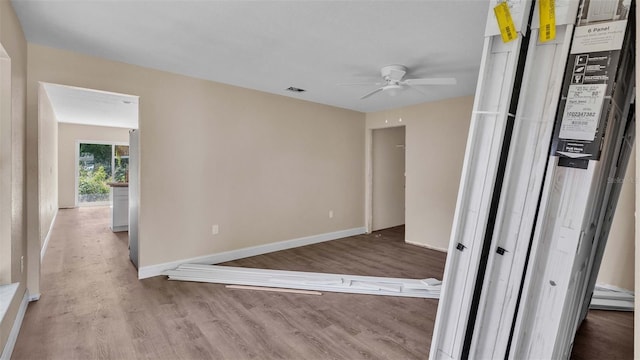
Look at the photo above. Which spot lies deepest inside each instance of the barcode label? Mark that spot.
(505, 22)
(547, 20)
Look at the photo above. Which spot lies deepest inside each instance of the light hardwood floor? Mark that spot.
(93, 306)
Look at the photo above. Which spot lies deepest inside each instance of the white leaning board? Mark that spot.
(542, 227)
(372, 285)
(523, 181)
(565, 244)
(485, 141)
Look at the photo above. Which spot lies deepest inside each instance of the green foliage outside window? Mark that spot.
(93, 182)
(101, 154)
(121, 171)
(99, 164)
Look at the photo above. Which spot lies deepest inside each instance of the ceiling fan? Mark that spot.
(393, 81)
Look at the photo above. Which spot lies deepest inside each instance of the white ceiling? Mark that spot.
(271, 45)
(90, 107)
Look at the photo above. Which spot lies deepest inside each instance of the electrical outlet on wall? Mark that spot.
(21, 264)
(215, 229)
(330, 214)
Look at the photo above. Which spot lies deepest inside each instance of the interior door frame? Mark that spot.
(368, 198)
(77, 167)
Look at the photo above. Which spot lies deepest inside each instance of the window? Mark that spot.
(99, 164)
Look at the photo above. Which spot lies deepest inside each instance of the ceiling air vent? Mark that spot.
(295, 89)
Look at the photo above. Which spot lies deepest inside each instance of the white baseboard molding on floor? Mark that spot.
(612, 288)
(301, 280)
(609, 297)
(48, 237)
(157, 270)
(15, 329)
(426, 246)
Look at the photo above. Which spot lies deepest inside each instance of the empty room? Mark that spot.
(375, 186)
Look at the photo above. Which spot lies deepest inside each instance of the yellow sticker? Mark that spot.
(547, 20)
(505, 22)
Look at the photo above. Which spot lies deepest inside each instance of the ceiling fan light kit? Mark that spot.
(394, 81)
(393, 72)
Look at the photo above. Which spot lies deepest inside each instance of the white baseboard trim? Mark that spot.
(614, 288)
(15, 329)
(48, 237)
(157, 270)
(426, 246)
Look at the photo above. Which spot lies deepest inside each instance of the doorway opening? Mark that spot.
(97, 157)
(388, 180)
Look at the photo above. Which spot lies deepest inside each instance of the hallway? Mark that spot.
(86, 291)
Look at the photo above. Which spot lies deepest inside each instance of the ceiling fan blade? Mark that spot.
(371, 93)
(431, 81)
(417, 89)
(362, 84)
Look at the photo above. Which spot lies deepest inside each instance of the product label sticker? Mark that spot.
(582, 111)
(519, 12)
(586, 105)
(598, 37)
(505, 22)
(547, 20)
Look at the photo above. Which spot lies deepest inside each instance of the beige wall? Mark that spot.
(68, 136)
(14, 43)
(47, 163)
(617, 266)
(388, 165)
(436, 135)
(263, 167)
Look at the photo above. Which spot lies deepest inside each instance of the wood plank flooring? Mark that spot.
(605, 335)
(93, 307)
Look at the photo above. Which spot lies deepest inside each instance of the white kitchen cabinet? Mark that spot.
(119, 207)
